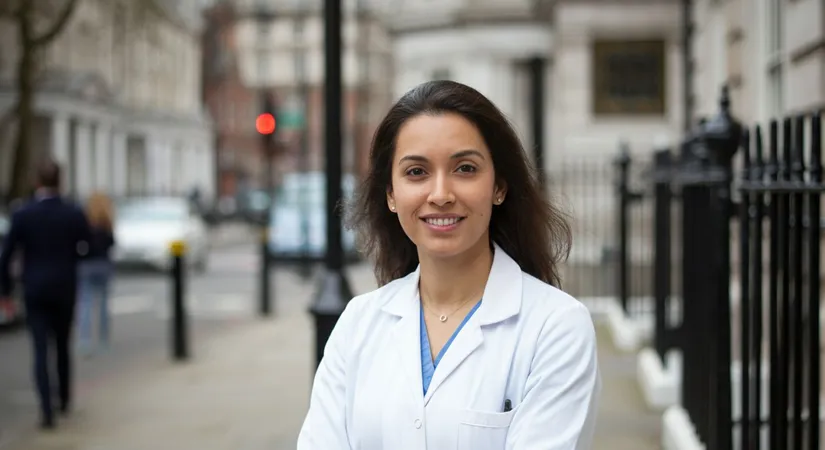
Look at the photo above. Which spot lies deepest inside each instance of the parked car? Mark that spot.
(14, 313)
(304, 195)
(145, 228)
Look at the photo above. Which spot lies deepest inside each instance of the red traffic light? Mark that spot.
(265, 123)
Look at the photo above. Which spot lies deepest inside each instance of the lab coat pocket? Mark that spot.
(484, 430)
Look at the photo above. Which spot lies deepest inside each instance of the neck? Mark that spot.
(447, 282)
(45, 192)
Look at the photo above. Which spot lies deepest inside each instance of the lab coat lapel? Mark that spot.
(501, 300)
(464, 344)
(406, 334)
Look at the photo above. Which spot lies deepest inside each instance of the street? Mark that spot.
(140, 303)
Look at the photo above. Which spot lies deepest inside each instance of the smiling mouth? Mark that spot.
(442, 222)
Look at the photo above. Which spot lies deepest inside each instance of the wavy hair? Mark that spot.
(527, 226)
(100, 212)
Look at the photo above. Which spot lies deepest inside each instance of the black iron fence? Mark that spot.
(737, 278)
(592, 190)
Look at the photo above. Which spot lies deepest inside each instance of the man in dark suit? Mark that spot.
(51, 235)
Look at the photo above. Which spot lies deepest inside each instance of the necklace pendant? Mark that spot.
(443, 318)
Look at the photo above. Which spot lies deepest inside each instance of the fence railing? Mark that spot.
(741, 299)
(590, 188)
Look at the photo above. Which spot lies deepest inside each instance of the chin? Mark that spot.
(443, 249)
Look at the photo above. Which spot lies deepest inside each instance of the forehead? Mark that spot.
(434, 135)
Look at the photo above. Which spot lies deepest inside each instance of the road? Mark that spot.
(223, 296)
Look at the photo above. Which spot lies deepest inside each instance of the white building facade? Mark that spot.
(487, 44)
(770, 52)
(118, 100)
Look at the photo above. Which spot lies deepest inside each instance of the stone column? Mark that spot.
(154, 165)
(119, 164)
(60, 147)
(83, 171)
(103, 158)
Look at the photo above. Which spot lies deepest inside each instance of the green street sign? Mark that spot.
(290, 119)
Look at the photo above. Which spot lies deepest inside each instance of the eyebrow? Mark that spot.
(456, 155)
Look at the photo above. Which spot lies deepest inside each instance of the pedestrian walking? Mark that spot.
(95, 272)
(52, 235)
(469, 343)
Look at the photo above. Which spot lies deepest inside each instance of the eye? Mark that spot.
(466, 168)
(415, 172)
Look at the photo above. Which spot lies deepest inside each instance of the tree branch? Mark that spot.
(9, 8)
(57, 27)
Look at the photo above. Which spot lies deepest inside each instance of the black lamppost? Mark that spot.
(334, 291)
(687, 64)
(537, 69)
(302, 90)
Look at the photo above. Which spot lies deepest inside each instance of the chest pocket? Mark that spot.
(479, 430)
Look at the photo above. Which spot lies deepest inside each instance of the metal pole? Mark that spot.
(302, 86)
(265, 305)
(537, 114)
(687, 63)
(623, 163)
(334, 291)
(363, 106)
(263, 17)
(180, 350)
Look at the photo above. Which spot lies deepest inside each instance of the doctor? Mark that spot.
(468, 343)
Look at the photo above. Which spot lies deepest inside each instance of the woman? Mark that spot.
(468, 343)
(94, 274)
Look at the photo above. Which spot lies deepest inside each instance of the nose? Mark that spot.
(441, 192)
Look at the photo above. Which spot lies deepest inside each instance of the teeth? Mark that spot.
(443, 222)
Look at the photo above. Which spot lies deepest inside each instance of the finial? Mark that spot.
(724, 99)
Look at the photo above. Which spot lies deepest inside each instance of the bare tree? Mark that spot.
(25, 14)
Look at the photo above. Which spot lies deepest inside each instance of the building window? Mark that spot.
(629, 77)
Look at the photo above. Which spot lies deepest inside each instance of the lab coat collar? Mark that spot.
(501, 299)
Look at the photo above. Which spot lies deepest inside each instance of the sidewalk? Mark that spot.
(248, 388)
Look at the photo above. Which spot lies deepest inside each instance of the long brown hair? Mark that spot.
(527, 226)
(99, 211)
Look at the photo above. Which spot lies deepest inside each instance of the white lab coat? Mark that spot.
(528, 342)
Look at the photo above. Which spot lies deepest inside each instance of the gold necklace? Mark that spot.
(444, 317)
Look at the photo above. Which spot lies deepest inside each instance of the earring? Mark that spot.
(392, 208)
(499, 200)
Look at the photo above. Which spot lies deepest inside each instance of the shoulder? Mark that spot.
(73, 209)
(364, 314)
(554, 310)
(371, 303)
(22, 211)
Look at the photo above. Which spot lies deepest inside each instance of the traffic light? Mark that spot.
(265, 122)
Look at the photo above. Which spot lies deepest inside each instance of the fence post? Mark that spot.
(661, 248)
(694, 273)
(623, 163)
(180, 347)
(722, 136)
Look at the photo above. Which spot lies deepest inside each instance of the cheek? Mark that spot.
(409, 198)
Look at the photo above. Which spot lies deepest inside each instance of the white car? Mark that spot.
(145, 229)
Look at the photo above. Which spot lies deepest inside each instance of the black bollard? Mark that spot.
(265, 305)
(180, 350)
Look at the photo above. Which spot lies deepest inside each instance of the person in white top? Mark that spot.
(469, 343)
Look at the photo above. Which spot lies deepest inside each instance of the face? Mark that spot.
(443, 185)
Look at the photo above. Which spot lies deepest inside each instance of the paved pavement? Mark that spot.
(247, 387)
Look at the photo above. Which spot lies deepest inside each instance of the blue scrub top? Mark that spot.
(428, 365)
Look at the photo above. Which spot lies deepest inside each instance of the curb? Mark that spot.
(659, 383)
